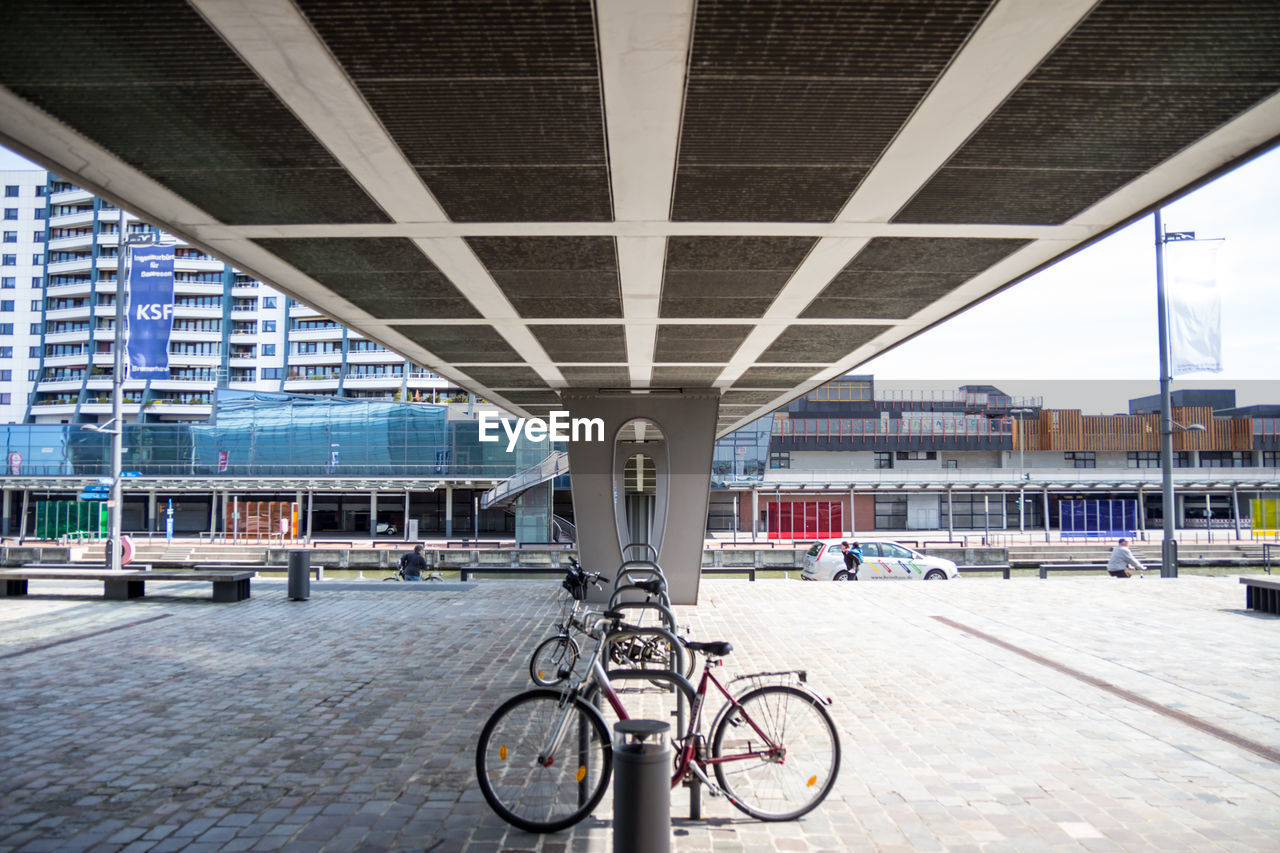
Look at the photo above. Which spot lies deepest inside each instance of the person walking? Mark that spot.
(1122, 560)
(852, 559)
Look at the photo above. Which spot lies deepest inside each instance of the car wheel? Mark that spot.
(936, 575)
(843, 576)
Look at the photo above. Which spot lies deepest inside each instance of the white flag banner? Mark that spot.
(1195, 306)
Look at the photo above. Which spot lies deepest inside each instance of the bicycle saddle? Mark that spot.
(715, 648)
(654, 586)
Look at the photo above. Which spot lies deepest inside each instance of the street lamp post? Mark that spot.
(1168, 547)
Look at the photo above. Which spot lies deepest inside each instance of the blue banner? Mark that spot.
(150, 310)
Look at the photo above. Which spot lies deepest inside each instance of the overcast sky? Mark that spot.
(1082, 334)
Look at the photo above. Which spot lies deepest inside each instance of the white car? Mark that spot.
(881, 560)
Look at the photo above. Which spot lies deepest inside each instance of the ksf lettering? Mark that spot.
(155, 311)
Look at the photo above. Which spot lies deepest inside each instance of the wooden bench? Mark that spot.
(1003, 569)
(749, 571)
(470, 571)
(1262, 594)
(1086, 567)
(228, 586)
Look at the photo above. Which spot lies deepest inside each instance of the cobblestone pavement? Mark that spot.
(348, 722)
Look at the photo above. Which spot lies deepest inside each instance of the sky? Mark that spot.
(1082, 334)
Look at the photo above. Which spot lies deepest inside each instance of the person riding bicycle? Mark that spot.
(413, 565)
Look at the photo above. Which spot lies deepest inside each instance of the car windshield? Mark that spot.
(815, 549)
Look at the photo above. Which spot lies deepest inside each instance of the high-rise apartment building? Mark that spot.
(21, 287)
(57, 324)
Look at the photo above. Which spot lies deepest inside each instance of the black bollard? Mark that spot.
(641, 787)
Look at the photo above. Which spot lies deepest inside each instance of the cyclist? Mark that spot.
(413, 565)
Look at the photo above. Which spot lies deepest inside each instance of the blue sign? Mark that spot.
(150, 310)
(94, 496)
(105, 481)
(130, 473)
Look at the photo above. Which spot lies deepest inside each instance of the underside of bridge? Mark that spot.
(566, 197)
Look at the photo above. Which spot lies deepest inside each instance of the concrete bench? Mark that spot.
(749, 571)
(468, 572)
(316, 571)
(228, 586)
(1086, 567)
(1003, 569)
(1262, 594)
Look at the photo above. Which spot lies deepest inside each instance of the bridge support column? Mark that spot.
(675, 432)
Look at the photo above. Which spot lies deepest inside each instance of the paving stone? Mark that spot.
(350, 722)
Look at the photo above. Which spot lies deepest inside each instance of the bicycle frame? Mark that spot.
(689, 759)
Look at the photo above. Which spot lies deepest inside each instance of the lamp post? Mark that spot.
(1022, 474)
(1168, 548)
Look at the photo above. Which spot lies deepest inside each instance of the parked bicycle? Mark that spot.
(545, 756)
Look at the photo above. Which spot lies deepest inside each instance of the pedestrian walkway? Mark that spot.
(975, 715)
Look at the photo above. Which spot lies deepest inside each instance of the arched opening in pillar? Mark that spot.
(641, 473)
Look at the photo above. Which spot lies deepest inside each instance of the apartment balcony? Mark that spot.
(194, 336)
(77, 265)
(188, 385)
(75, 288)
(297, 310)
(311, 385)
(334, 334)
(98, 407)
(53, 409)
(73, 337)
(179, 359)
(74, 360)
(197, 288)
(55, 386)
(71, 196)
(198, 265)
(71, 243)
(312, 358)
(355, 357)
(194, 313)
(71, 220)
(365, 381)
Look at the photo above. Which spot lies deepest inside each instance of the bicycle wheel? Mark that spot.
(553, 660)
(543, 795)
(789, 778)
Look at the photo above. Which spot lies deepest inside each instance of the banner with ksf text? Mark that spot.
(150, 311)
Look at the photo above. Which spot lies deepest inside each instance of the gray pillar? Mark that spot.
(755, 514)
(151, 511)
(405, 521)
(1142, 512)
(1046, 513)
(687, 422)
(373, 515)
(950, 516)
(853, 512)
(1022, 509)
(1235, 507)
(213, 515)
(448, 511)
(311, 504)
(22, 522)
(6, 507)
(1208, 517)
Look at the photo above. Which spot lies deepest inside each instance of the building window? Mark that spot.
(1081, 459)
(891, 512)
(268, 349)
(883, 459)
(37, 259)
(268, 302)
(6, 375)
(8, 282)
(6, 305)
(6, 352)
(1226, 459)
(37, 236)
(4, 399)
(11, 236)
(1271, 458)
(917, 455)
(779, 459)
(10, 190)
(35, 281)
(6, 328)
(31, 374)
(10, 213)
(35, 328)
(40, 192)
(271, 373)
(1144, 459)
(268, 325)
(33, 352)
(8, 260)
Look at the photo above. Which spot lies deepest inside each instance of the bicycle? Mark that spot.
(544, 757)
(555, 658)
